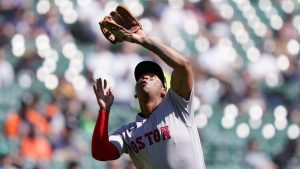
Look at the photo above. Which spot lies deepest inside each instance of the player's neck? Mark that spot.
(148, 107)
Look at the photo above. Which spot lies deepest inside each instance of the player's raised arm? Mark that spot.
(182, 77)
(115, 30)
(102, 149)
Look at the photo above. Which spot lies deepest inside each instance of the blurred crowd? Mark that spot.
(245, 57)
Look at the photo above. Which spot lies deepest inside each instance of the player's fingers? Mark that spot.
(105, 91)
(109, 91)
(99, 84)
(95, 91)
(99, 89)
(105, 84)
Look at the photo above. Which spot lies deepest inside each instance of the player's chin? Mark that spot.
(145, 88)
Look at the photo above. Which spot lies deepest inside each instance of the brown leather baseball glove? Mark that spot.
(119, 25)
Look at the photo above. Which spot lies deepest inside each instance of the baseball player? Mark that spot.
(164, 134)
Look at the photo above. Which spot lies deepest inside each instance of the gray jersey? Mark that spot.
(168, 139)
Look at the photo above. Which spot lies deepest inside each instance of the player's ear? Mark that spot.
(135, 96)
(163, 92)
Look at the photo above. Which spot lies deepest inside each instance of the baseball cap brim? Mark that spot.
(149, 67)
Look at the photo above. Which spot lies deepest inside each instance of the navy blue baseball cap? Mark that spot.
(149, 67)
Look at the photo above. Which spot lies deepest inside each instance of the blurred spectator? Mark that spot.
(263, 67)
(91, 14)
(37, 118)
(254, 158)
(52, 24)
(55, 117)
(71, 113)
(73, 165)
(86, 95)
(101, 55)
(6, 162)
(28, 62)
(283, 158)
(17, 123)
(68, 146)
(209, 13)
(64, 90)
(34, 146)
(87, 119)
(7, 73)
(63, 146)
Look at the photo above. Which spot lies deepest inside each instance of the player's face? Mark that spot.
(149, 83)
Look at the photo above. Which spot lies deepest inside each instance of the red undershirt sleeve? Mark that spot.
(102, 149)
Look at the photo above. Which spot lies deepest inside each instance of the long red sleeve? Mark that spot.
(102, 149)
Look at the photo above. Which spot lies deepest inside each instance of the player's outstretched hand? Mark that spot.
(103, 93)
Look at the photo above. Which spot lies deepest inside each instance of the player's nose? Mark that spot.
(145, 76)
